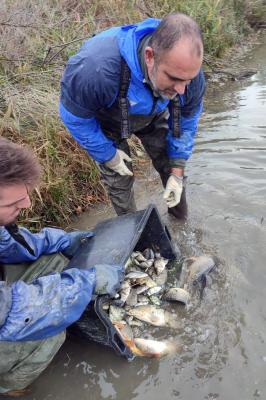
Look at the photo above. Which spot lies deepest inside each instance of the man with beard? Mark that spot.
(38, 298)
(144, 79)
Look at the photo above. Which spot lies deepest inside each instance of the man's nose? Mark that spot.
(180, 87)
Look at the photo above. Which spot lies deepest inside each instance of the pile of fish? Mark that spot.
(143, 294)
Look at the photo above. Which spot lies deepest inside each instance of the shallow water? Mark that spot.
(223, 346)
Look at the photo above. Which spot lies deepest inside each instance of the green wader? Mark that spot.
(22, 362)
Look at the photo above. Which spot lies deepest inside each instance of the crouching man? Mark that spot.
(38, 299)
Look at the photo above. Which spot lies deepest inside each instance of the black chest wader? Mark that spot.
(151, 129)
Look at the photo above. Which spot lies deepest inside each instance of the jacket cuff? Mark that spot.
(114, 161)
(177, 163)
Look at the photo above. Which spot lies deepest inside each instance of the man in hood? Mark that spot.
(144, 79)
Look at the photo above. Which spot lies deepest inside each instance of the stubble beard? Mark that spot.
(155, 87)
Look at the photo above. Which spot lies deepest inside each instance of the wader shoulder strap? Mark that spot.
(123, 100)
(18, 237)
(175, 115)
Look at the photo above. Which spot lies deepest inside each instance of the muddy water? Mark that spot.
(223, 343)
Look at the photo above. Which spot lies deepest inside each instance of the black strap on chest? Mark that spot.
(123, 100)
(18, 237)
(124, 104)
(175, 115)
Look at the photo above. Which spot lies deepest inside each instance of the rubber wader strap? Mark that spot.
(123, 100)
(175, 115)
(18, 237)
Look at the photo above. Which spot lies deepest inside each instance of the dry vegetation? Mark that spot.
(37, 37)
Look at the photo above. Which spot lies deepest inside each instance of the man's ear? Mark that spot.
(149, 56)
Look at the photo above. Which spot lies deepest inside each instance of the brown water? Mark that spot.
(224, 340)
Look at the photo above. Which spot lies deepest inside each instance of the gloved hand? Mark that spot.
(117, 163)
(173, 190)
(108, 278)
(75, 240)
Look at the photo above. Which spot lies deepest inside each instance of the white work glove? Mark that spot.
(173, 190)
(117, 163)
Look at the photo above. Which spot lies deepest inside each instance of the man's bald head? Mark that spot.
(172, 29)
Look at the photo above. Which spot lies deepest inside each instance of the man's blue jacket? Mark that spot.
(91, 82)
(51, 303)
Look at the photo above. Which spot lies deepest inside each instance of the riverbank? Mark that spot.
(37, 40)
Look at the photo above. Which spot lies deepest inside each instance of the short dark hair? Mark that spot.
(18, 165)
(171, 29)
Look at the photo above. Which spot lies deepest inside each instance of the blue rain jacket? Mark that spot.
(91, 82)
(51, 303)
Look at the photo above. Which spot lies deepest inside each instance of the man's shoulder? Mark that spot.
(98, 51)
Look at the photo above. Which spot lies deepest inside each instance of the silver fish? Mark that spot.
(148, 254)
(201, 266)
(160, 279)
(146, 281)
(155, 300)
(143, 299)
(146, 264)
(124, 292)
(142, 289)
(155, 348)
(154, 316)
(177, 294)
(116, 313)
(137, 255)
(159, 265)
(154, 290)
(132, 298)
(136, 275)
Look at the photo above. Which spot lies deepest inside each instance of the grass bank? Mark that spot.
(37, 38)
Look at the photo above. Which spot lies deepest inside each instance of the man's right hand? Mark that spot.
(108, 278)
(117, 163)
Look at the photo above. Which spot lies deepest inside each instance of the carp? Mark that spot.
(155, 348)
(154, 316)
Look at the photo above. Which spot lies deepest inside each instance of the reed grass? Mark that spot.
(37, 38)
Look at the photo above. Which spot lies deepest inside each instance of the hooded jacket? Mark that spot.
(51, 303)
(91, 83)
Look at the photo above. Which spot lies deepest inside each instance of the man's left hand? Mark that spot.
(173, 190)
(75, 240)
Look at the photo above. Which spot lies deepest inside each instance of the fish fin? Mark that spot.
(135, 350)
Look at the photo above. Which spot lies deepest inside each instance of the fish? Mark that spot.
(159, 265)
(146, 281)
(132, 298)
(154, 316)
(116, 313)
(146, 264)
(194, 272)
(154, 290)
(148, 254)
(200, 267)
(126, 333)
(137, 255)
(155, 300)
(136, 275)
(177, 294)
(124, 292)
(142, 289)
(155, 348)
(160, 279)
